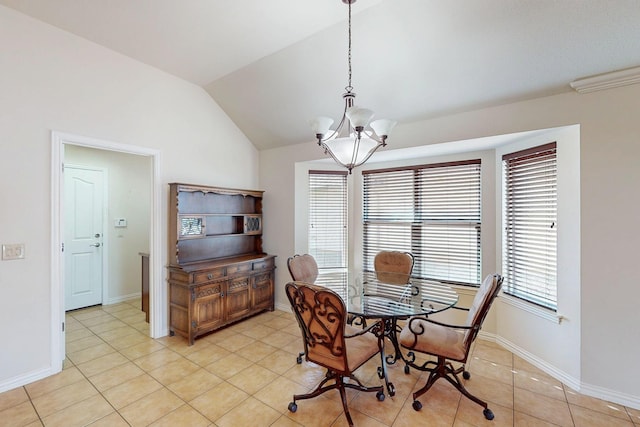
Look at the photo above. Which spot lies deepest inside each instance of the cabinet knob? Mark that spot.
(209, 276)
(221, 294)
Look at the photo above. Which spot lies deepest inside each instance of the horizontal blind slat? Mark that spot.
(328, 218)
(432, 211)
(530, 232)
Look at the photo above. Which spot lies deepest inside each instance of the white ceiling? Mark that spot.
(274, 64)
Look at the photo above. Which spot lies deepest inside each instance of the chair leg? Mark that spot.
(433, 377)
(341, 386)
(343, 397)
(455, 381)
(445, 370)
(320, 388)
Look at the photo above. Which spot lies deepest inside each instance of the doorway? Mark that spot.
(152, 221)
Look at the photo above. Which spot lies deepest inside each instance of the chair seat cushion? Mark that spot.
(435, 339)
(360, 348)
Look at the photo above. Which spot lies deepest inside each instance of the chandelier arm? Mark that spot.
(348, 101)
(356, 149)
(369, 154)
(372, 135)
(353, 162)
(333, 133)
(336, 159)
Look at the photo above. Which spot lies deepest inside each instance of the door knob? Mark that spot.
(97, 245)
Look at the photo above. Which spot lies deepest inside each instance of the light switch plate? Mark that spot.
(13, 251)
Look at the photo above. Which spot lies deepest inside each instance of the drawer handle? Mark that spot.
(221, 294)
(209, 276)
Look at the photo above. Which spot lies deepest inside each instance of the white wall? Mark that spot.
(129, 196)
(51, 80)
(557, 347)
(609, 341)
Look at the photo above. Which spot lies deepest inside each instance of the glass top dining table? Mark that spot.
(387, 297)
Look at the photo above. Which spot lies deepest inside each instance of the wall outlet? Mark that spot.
(13, 251)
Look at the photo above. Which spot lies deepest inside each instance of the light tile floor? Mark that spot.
(245, 375)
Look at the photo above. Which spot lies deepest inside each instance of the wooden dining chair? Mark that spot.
(449, 343)
(331, 343)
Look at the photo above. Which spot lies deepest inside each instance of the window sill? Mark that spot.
(543, 313)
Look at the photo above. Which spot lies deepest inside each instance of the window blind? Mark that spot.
(530, 225)
(328, 218)
(432, 211)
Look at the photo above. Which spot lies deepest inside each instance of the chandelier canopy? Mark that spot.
(355, 139)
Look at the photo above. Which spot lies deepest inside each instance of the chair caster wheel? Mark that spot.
(466, 375)
(391, 389)
(416, 405)
(380, 372)
(406, 369)
(488, 414)
(380, 396)
(293, 407)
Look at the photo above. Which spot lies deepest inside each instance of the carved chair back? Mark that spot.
(321, 315)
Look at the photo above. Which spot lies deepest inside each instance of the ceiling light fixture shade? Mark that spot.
(321, 124)
(351, 143)
(359, 117)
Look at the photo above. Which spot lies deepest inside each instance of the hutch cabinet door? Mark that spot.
(208, 309)
(238, 302)
(262, 291)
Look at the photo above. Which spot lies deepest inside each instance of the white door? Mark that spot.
(83, 242)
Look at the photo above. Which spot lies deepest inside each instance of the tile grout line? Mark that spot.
(167, 345)
(94, 386)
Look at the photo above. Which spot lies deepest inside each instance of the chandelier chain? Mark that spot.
(349, 87)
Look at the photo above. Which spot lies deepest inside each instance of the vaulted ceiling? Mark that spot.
(274, 64)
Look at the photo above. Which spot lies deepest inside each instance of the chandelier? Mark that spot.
(355, 139)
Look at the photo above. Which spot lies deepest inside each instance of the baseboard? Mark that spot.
(25, 379)
(576, 384)
(627, 400)
(283, 307)
(123, 298)
(546, 367)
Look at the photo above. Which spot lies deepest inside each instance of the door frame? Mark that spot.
(157, 316)
(104, 262)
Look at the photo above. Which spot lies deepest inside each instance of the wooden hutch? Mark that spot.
(218, 273)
